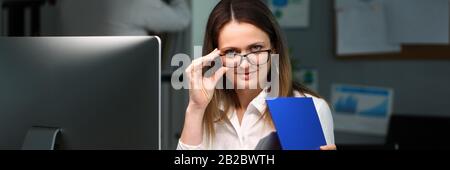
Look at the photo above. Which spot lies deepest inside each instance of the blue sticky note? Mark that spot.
(297, 123)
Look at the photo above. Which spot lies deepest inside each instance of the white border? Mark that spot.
(159, 92)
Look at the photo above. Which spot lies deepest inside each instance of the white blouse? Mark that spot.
(245, 136)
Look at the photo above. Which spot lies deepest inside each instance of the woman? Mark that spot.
(243, 34)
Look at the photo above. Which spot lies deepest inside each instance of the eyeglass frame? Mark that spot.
(245, 56)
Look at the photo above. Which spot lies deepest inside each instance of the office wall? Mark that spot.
(49, 20)
(1, 18)
(421, 87)
(200, 13)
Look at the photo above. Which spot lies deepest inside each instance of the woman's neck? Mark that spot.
(246, 96)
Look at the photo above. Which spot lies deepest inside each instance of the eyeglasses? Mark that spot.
(234, 60)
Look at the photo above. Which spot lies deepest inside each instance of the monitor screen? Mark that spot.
(100, 92)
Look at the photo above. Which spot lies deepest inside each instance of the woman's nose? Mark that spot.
(244, 64)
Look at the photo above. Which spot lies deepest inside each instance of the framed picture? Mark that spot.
(362, 109)
(379, 29)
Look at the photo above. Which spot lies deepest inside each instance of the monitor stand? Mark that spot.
(41, 138)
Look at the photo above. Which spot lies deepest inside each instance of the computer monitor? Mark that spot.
(99, 92)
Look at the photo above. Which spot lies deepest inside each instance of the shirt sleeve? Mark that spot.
(182, 146)
(326, 120)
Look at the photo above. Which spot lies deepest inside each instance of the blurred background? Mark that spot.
(383, 65)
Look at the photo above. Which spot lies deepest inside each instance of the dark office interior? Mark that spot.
(416, 72)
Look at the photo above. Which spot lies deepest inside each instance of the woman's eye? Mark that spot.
(256, 48)
(230, 53)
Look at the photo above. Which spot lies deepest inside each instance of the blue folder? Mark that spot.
(297, 123)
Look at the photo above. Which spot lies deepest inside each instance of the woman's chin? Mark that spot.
(247, 84)
(243, 81)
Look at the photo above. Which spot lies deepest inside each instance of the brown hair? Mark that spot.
(254, 12)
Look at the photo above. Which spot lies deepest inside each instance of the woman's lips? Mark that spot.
(246, 75)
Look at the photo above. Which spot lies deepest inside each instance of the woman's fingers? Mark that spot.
(219, 73)
(200, 63)
(211, 56)
(206, 60)
(201, 88)
(328, 147)
(195, 70)
(211, 82)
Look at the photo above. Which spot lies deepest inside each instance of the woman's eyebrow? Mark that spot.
(228, 48)
(255, 44)
(248, 46)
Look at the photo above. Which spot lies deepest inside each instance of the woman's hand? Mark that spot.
(328, 147)
(201, 88)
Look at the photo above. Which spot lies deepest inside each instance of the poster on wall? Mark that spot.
(308, 77)
(362, 109)
(291, 13)
(431, 26)
(362, 28)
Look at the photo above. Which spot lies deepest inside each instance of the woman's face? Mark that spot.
(244, 38)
